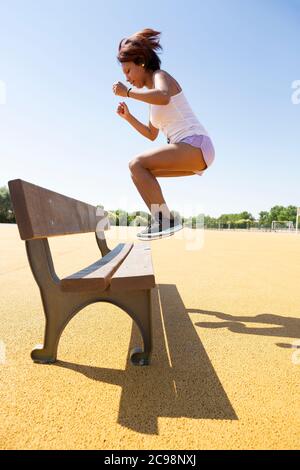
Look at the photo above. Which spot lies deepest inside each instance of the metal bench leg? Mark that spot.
(61, 308)
(58, 308)
(56, 322)
(138, 306)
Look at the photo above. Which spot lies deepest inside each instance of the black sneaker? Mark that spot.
(163, 227)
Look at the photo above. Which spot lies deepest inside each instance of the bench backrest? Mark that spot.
(41, 213)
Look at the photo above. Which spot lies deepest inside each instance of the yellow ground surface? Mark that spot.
(225, 369)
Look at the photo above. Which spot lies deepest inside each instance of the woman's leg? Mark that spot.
(158, 174)
(181, 157)
(150, 190)
(171, 173)
(144, 196)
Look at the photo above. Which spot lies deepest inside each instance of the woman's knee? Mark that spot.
(133, 164)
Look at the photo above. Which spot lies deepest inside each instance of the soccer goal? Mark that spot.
(282, 225)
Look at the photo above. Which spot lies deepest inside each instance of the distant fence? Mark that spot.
(225, 229)
(252, 229)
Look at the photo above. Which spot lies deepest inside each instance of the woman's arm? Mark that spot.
(159, 95)
(154, 96)
(144, 130)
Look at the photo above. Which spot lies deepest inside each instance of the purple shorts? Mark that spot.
(204, 143)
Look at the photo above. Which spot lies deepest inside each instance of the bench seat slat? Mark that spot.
(97, 275)
(136, 271)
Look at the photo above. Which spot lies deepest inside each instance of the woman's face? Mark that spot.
(135, 74)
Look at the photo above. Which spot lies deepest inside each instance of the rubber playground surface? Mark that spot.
(225, 369)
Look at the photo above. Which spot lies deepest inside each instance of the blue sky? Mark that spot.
(236, 61)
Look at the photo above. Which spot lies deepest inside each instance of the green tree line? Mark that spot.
(120, 217)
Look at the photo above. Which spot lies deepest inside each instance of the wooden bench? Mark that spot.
(123, 275)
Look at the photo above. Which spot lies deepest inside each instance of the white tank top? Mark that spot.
(176, 119)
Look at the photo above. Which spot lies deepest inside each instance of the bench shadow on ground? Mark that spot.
(284, 327)
(180, 381)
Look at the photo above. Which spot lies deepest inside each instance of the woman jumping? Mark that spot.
(189, 151)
